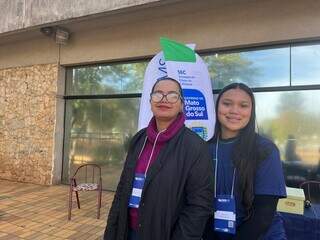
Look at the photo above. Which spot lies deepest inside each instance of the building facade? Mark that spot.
(64, 104)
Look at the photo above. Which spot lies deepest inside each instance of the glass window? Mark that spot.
(305, 65)
(260, 68)
(106, 79)
(292, 121)
(98, 131)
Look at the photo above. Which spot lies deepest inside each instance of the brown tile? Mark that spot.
(36, 212)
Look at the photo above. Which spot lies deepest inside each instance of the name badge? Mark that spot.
(225, 214)
(137, 187)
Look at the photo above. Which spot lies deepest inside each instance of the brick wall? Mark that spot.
(27, 121)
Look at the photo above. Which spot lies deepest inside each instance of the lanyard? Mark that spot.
(216, 172)
(153, 147)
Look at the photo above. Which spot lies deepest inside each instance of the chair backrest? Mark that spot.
(88, 173)
(311, 190)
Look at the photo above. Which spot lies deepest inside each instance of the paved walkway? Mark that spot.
(35, 212)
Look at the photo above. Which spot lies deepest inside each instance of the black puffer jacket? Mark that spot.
(177, 198)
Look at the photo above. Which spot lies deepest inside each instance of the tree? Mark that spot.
(104, 125)
(227, 68)
(294, 121)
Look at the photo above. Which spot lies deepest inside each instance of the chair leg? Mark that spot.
(78, 201)
(99, 203)
(70, 202)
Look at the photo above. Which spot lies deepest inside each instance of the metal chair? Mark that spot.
(312, 191)
(87, 177)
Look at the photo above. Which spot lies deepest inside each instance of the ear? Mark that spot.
(182, 108)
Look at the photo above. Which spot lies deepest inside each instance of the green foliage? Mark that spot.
(108, 79)
(292, 118)
(101, 128)
(228, 68)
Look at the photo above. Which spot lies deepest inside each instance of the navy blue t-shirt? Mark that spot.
(269, 179)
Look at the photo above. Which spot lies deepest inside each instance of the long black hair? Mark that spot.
(247, 154)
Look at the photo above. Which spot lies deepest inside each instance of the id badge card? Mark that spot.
(137, 187)
(225, 214)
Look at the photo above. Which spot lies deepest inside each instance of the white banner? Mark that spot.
(197, 90)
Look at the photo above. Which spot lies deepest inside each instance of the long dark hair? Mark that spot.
(246, 154)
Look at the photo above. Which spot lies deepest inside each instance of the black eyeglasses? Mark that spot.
(171, 97)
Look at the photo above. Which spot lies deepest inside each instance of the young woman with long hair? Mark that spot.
(248, 172)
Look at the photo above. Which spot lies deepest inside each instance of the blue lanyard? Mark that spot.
(216, 173)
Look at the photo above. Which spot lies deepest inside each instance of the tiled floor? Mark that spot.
(35, 212)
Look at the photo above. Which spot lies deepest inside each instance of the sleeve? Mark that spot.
(264, 208)
(199, 199)
(269, 178)
(112, 222)
(110, 232)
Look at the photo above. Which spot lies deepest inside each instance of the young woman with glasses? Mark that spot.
(166, 187)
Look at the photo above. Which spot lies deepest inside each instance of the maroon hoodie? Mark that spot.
(155, 141)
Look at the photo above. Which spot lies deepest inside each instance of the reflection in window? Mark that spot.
(292, 121)
(260, 68)
(98, 131)
(106, 79)
(305, 65)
